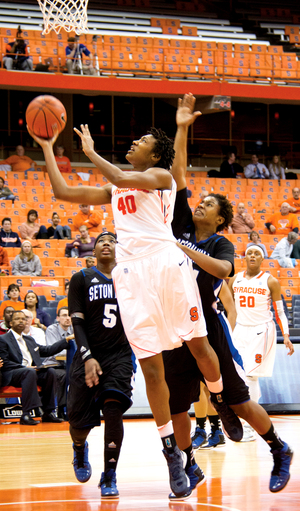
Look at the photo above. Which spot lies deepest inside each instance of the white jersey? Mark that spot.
(252, 299)
(142, 220)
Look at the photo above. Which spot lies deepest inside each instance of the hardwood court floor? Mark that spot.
(36, 472)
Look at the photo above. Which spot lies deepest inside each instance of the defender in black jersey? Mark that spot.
(102, 368)
(213, 260)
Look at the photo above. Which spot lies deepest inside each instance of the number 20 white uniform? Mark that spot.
(255, 331)
(156, 290)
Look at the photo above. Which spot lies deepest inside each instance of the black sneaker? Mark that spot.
(280, 474)
(232, 425)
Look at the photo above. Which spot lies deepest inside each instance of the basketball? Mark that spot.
(44, 114)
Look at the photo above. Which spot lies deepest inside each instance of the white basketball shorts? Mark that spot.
(257, 347)
(159, 301)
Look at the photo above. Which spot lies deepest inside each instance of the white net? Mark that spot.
(71, 15)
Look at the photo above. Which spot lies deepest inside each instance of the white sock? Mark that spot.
(215, 386)
(166, 429)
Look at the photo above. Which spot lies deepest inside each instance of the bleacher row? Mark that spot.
(180, 56)
(261, 197)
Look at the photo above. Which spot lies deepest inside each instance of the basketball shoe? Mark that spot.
(108, 484)
(82, 468)
(280, 474)
(196, 476)
(248, 433)
(215, 439)
(232, 425)
(179, 481)
(199, 437)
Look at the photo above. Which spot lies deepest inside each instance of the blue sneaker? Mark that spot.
(196, 476)
(280, 474)
(82, 468)
(108, 484)
(199, 437)
(232, 425)
(215, 439)
(179, 481)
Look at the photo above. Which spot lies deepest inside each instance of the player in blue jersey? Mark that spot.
(213, 258)
(102, 369)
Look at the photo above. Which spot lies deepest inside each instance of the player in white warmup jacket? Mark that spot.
(255, 332)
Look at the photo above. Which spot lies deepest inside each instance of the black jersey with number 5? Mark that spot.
(93, 294)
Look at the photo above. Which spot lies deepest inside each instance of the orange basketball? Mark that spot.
(44, 114)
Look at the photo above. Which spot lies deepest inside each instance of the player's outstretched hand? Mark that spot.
(185, 115)
(288, 344)
(44, 142)
(92, 372)
(86, 139)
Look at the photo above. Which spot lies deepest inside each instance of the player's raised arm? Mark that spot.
(142, 155)
(185, 116)
(82, 194)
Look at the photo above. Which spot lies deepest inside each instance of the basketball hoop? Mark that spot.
(71, 15)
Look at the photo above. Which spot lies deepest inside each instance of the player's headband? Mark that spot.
(106, 233)
(256, 247)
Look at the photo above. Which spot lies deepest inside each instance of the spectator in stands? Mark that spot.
(256, 170)
(3, 257)
(19, 352)
(86, 217)
(18, 162)
(31, 230)
(27, 263)
(74, 52)
(62, 161)
(14, 300)
(283, 222)
(255, 240)
(64, 301)
(276, 169)
(5, 323)
(8, 238)
(294, 201)
(5, 192)
(242, 222)
(61, 330)
(17, 56)
(57, 231)
(84, 244)
(40, 318)
(89, 262)
(229, 167)
(1, 365)
(283, 250)
(37, 333)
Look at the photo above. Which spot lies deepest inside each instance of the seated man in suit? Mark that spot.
(21, 356)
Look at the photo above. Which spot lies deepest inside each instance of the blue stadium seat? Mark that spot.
(52, 303)
(42, 301)
(51, 311)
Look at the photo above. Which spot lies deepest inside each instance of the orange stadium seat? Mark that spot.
(289, 273)
(289, 282)
(289, 292)
(241, 48)
(189, 31)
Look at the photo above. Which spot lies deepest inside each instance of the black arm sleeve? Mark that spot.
(76, 303)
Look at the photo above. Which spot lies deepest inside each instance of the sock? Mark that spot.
(215, 386)
(215, 423)
(201, 421)
(273, 439)
(79, 436)
(113, 434)
(190, 457)
(166, 433)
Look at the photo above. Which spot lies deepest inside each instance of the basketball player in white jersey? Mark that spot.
(255, 331)
(157, 293)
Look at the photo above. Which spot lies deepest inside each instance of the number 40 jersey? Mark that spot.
(93, 294)
(252, 299)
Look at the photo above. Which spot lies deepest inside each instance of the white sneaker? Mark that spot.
(249, 433)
